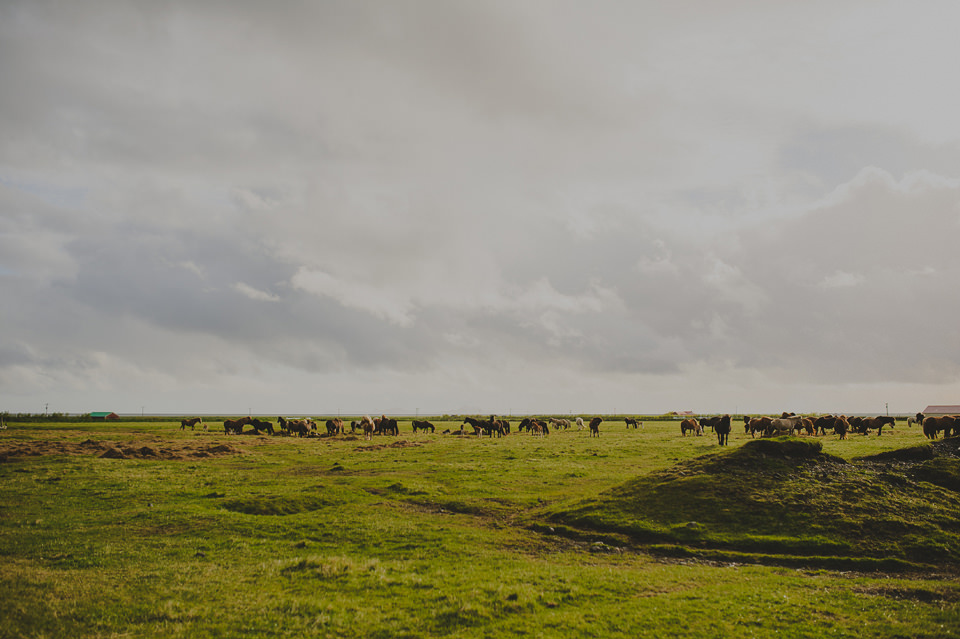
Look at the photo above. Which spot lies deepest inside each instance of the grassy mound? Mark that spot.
(783, 500)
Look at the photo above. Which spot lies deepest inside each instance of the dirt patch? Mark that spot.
(116, 450)
(402, 443)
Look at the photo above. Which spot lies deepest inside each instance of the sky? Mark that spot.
(429, 207)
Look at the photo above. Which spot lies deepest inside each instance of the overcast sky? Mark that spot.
(487, 207)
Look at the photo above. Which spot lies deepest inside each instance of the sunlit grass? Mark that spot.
(435, 535)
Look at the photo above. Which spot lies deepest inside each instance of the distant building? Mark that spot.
(104, 416)
(953, 409)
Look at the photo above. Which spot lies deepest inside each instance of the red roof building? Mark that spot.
(953, 409)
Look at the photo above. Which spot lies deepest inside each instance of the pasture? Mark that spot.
(138, 528)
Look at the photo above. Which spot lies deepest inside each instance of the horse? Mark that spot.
(692, 425)
(386, 425)
(758, 425)
(947, 424)
(478, 425)
(368, 427)
(334, 426)
(579, 423)
(191, 422)
(867, 423)
(710, 422)
(423, 425)
(777, 426)
(722, 429)
(300, 427)
(632, 421)
(235, 425)
(595, 426)
(259, 425)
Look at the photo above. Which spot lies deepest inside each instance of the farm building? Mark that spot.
(952, 409)
(104, 416)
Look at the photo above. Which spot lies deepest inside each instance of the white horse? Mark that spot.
(368, 427)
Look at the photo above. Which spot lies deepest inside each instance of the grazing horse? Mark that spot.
(536, 428)
(692, 425)
(492, 427)
(758, 425)
(579, 423)
(299, 427)
(191, 422)
(722, 429)
(474, 423)
(595, 426)
(526, 424)
(368, 426)
(947, 424)
(334, 426)
(632, 421)
(235, 425)
(867, 423)
(481, 426)
(423, 425)
(778, 426)
(259, 425)
(387, 426)
(841, 426)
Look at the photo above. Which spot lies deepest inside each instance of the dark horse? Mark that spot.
(722, 429)
(595, 426)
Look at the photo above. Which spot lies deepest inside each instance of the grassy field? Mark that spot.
(139, 529)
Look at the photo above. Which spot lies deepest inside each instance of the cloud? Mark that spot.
(841, 279)
(450, 201)
(255, 294)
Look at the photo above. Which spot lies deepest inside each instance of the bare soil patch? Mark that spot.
(402, 443)
(11, 451)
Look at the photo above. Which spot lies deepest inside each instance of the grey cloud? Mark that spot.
(464, 196)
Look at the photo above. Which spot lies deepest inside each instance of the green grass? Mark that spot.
(633, 534)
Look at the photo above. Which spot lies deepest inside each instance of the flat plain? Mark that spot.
(138, 528)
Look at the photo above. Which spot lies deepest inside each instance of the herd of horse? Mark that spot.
(785, 424)
(841, 425)
(383, 425)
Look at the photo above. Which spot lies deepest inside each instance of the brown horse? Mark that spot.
(235, 425)
(536, 428)
(595, 426)
(191, 422)
(691, 425)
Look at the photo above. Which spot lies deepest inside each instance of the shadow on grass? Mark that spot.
(783, 501)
